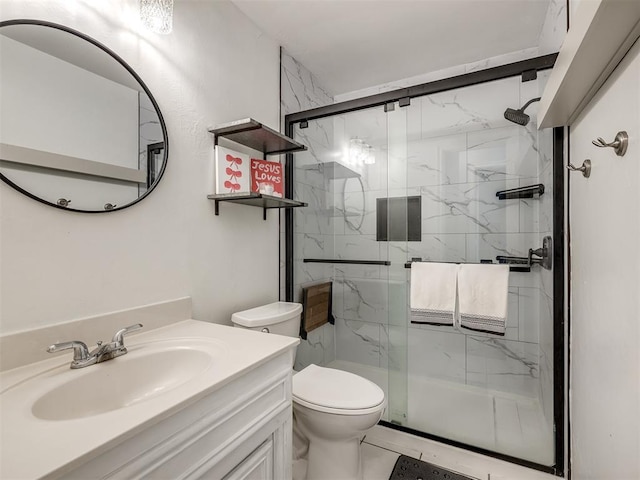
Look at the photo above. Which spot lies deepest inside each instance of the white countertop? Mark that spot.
(32, 448)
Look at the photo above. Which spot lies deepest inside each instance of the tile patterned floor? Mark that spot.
(382, 446)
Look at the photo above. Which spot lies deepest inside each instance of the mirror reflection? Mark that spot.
(78, 128)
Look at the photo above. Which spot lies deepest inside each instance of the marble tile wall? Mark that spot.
(313, 226)
(554, 28)
(459, 152)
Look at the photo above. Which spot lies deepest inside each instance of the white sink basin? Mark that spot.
(148, 370)
(55, 418)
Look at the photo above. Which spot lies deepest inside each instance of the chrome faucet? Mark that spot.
(82, 357)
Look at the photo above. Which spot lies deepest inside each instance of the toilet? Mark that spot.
(332, 409)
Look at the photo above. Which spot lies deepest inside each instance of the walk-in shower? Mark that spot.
(437, 173)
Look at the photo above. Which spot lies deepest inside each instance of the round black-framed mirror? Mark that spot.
(79, 129)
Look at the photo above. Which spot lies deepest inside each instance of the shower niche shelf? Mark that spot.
(521, 192)
(255, 135)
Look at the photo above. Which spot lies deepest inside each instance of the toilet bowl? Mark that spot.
(332, 409)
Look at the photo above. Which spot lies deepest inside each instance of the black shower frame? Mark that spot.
(526, 69)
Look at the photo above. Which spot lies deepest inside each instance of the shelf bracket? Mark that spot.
(217, 207)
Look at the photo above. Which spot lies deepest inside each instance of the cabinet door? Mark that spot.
(257, 466)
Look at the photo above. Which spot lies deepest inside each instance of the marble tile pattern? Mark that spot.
(463, 152)
(554, 28)
(300, 90)
(455, 150)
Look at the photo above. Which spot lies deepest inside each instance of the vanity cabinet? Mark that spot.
(257, 466)
(253, 134)
(241, 431)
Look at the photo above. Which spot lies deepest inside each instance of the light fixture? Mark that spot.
(369, 156)
(157, 15)
(360, 153)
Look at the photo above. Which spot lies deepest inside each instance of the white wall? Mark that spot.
(55, 265)
(605, 283)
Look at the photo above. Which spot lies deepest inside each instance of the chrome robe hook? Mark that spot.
(619, 144)
(585, 168)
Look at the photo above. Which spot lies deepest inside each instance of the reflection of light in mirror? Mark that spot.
(157, 15)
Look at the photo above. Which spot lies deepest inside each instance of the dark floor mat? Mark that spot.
(408, 468)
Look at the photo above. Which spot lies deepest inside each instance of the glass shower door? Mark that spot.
(420, 182)
(403, 225)
(493, 392)
(340, 237)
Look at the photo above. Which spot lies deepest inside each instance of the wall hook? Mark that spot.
(619, 144)
(585, 168)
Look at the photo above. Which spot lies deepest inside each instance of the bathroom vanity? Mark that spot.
(188, 400)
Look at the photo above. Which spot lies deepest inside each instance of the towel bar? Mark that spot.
(518, 264)
(512, 267)
(351, 262)
(545, 253)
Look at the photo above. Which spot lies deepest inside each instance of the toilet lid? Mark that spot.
(328, 387)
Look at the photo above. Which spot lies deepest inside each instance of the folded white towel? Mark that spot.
(433, 292)
(482, 296)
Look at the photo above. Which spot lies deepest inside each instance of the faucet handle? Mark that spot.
(80, 350)
(118, 339)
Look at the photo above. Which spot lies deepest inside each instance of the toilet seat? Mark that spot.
(336, 391)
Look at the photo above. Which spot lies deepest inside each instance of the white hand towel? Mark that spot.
(482, 297)
(433, 292)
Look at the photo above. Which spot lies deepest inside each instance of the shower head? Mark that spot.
(518, 116)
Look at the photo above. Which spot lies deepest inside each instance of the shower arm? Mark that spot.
(524, 107)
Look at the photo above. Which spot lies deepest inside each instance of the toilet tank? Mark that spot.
(282, 318)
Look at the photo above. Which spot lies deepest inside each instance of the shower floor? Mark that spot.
(510, 424)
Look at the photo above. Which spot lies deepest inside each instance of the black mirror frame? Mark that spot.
(118, 59)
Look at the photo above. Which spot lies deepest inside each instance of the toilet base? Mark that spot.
(328, 444)
(336, 461)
